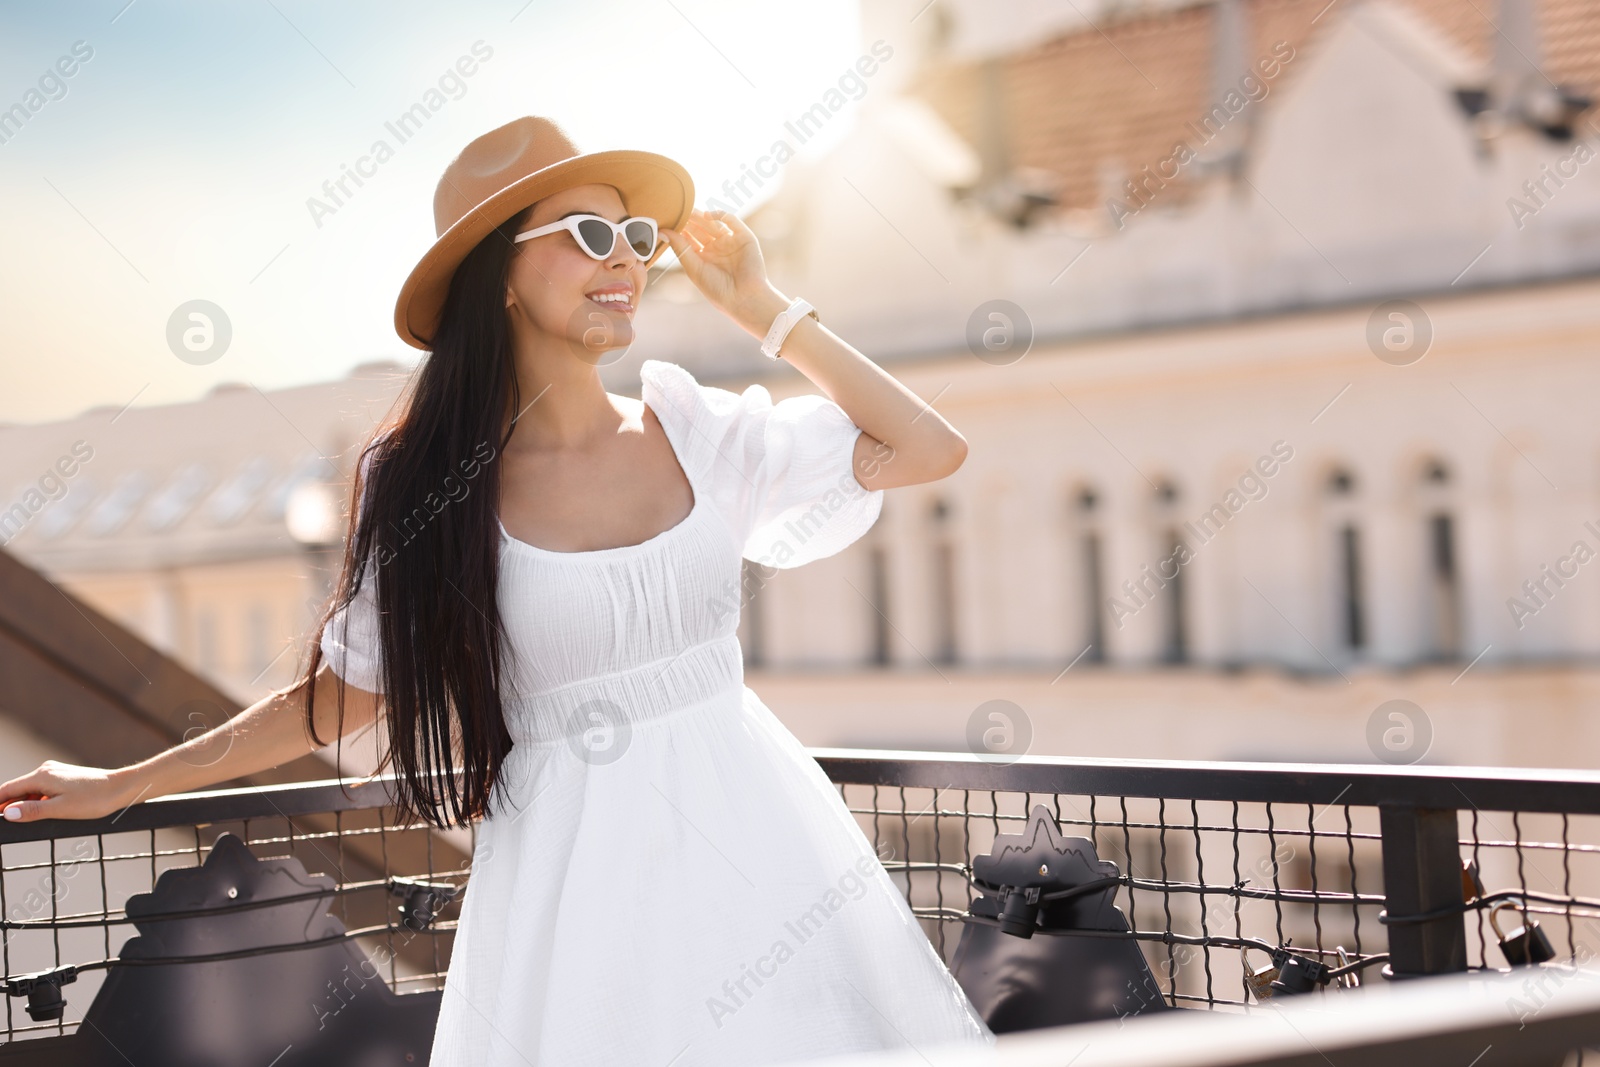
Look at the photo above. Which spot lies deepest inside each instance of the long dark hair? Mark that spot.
(438, 554)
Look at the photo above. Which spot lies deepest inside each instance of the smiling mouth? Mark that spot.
(614, 303)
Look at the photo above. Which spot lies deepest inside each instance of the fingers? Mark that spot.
(21, 810)
(714, 225)
(18, 788)
(20, 797)
(24, 807)
(733, 223)
(683, 246)
(675, 238)
(697, 231)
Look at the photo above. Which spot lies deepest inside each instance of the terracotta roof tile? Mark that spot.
(1570, 31)
(1118, 97)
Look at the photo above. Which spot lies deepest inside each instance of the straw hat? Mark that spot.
(504, 171)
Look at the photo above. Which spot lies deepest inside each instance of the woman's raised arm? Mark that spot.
(267, 734)
(904, 441)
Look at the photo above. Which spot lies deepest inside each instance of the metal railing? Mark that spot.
(65, 884)
(1355, 867)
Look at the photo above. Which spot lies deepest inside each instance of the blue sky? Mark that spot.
(176, 162)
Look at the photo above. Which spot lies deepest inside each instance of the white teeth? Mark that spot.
(610, 298)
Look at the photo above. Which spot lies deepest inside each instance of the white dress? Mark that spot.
(674, 881)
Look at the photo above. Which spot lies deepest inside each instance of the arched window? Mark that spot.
(1441, 607)
(1171, 597)
(1352, 610)
(879, 651)
(942, 581)
(1089, 552)
(878, 591)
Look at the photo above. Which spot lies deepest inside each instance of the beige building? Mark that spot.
(196, 525)
(1201, 219)
(1224, 498)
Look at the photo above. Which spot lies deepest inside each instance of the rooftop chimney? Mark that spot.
(1230, 62)
(1518, 89)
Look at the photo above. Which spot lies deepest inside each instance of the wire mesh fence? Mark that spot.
(1212, 887)
(1214, 881)
(65, 888)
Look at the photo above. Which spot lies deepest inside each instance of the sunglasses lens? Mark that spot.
(597, 237)
(641, 234)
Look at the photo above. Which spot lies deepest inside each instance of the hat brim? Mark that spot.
(650, 184)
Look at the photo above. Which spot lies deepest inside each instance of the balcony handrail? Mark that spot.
(203, 807)
(1576, 792)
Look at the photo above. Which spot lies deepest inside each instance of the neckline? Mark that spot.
(618, 550)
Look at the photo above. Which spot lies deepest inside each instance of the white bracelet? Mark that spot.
(786, 320)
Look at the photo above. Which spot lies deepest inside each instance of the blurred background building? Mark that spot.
(1270, 323)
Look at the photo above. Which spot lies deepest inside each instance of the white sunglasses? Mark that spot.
(598, 236)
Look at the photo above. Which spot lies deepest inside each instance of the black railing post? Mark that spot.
(1421, 874)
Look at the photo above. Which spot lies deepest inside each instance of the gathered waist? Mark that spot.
(627, 698)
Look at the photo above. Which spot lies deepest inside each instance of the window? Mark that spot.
(1441, 607)
(1175, 628)
(118, 505)
(1444, 600)
(942, 585)
(234, 497)
(1348, 566)
(878, 591)
(1174, 622)
(168, 507)
(1091, 563)
(1352, 613)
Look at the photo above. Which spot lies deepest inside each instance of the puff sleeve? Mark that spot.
(350, 641)
(781, 474)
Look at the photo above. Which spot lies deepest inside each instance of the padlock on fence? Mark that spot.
(1259, 981)
(1526, 944)
(1289, 974)
(1297, 974)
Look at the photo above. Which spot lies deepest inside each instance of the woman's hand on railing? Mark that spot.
(56, 790)
(267, 734)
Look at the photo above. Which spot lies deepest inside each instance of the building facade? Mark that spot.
(1271, 326)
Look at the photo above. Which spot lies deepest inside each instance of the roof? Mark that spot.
(112, 490)
(95, 691)
(1094, 105)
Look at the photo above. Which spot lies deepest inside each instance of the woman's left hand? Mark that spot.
(722, 257)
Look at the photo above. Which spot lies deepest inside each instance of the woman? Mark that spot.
(540, 597)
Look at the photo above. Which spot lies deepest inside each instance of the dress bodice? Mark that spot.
(637, 631)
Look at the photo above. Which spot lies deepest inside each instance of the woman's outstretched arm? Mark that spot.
(267, 734)
(904, 441)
